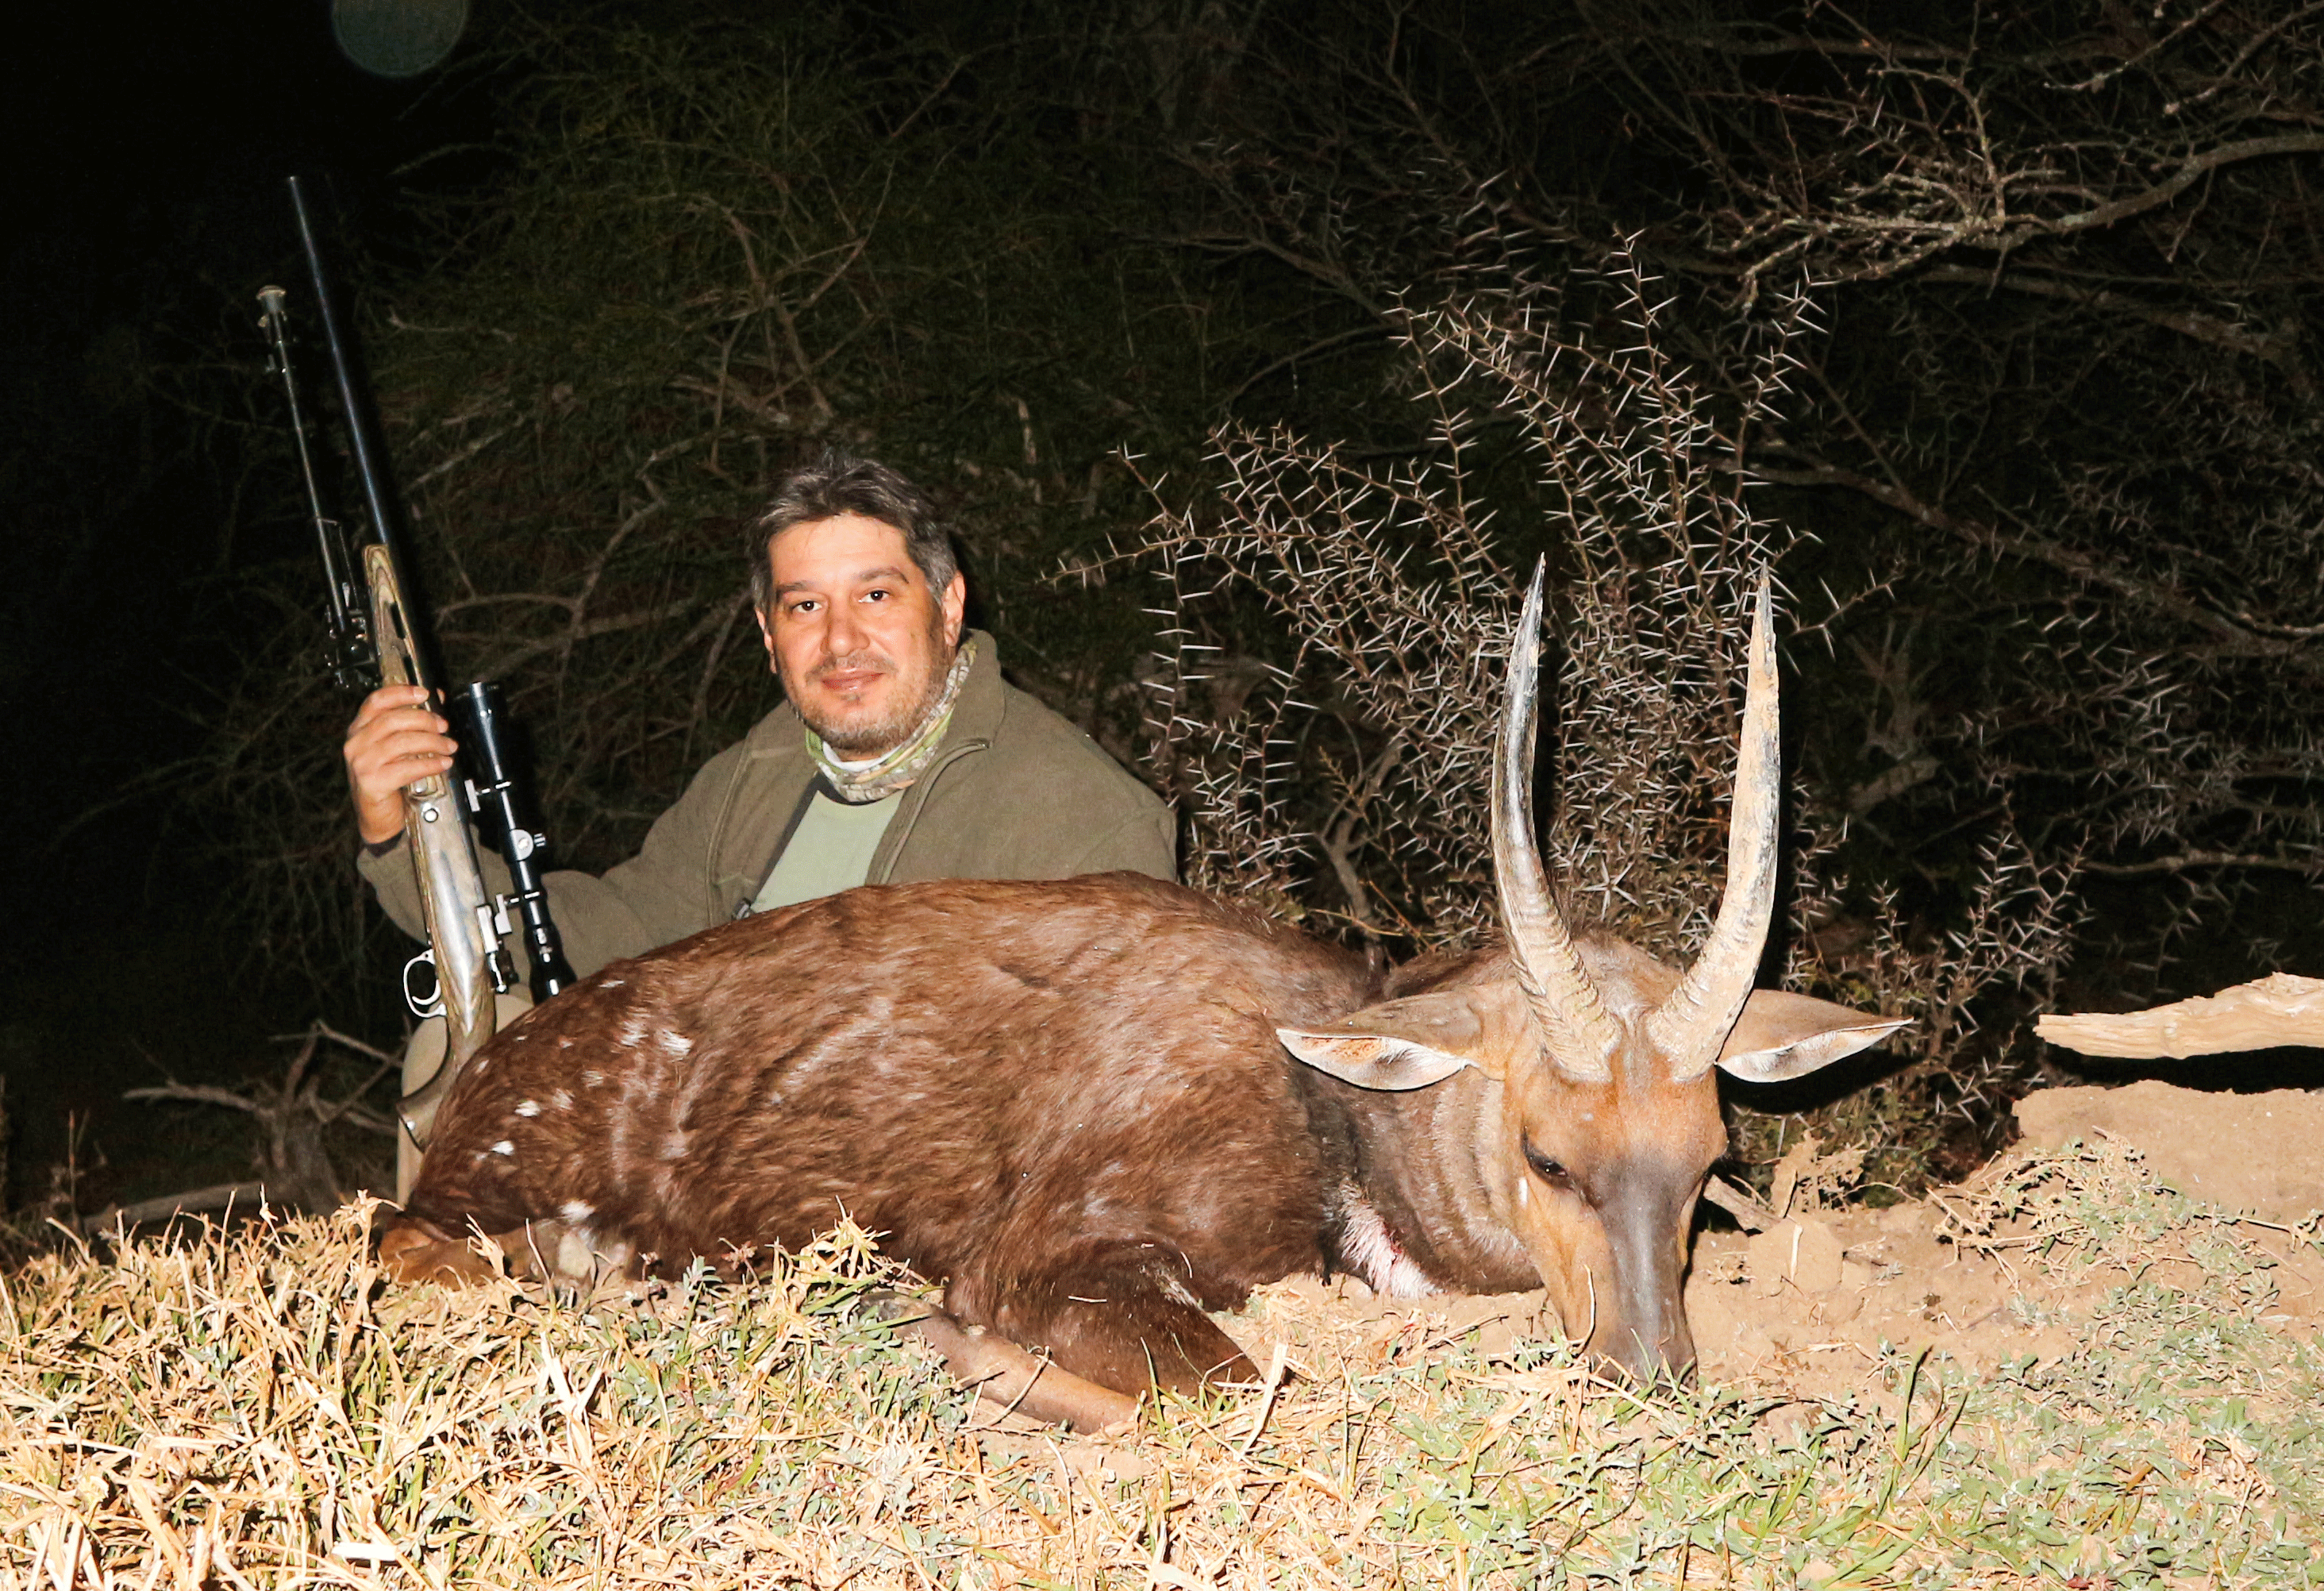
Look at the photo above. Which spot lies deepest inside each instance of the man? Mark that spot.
(897, 754)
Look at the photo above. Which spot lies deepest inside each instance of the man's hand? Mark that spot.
(396, 740)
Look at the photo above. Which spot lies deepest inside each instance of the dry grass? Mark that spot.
(253, 1409)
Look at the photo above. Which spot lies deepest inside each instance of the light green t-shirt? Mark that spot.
(830, 851)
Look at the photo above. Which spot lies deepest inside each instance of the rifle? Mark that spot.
(379, 636)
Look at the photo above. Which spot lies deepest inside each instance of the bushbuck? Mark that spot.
(1095, 1108)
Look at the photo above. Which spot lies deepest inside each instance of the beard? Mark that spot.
(867, 732)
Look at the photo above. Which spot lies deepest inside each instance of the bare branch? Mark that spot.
(516, 657)
(196, 1094)
(2233, 639)
(2279, 1009)
(2280, 349)
(1749, 1213)
(2310, 865)
(222, 1196)
(2192, 172)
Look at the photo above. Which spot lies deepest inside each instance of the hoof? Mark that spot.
(411, 1250)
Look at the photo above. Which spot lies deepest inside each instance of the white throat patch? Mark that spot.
(1370, 1255)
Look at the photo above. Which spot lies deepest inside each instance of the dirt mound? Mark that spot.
(2258, 1152)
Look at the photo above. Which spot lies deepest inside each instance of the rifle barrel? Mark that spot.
(370, 455)
(352, 658)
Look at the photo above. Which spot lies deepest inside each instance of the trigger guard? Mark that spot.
(433, 1005)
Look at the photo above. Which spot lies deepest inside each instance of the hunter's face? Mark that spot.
(858, 638)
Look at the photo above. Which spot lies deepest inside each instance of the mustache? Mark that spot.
(854, 661)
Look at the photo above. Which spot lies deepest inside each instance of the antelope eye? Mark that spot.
(1545, 1167)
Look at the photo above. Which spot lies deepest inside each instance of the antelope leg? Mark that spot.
(413, 1250)
(1006, 1375)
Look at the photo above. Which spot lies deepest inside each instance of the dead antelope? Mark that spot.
(1076, 1104)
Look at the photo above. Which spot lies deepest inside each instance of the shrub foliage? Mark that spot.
(1988, 328)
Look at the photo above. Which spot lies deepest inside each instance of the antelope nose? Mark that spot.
(1632, 1357)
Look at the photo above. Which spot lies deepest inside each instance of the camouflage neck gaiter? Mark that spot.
(859, 786)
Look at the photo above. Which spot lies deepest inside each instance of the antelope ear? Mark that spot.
(1406, 1043)
(1781, 1036)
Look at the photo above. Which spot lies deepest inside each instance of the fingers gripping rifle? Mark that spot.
(379, 634)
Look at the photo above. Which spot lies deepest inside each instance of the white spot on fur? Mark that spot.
(673, 1147)
(528, 1108)
(565, 1043)
(576, 1211)
(1372, 1256)
(593, 1078)
(632, 1031)
(676, 1044)
(561, 1100)
(504, 1147)
(610, 983)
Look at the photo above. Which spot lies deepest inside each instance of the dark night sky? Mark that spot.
(148, 145)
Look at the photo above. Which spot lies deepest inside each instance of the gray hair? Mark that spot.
(840, 483)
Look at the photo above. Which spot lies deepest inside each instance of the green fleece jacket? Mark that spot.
(1015, 791)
